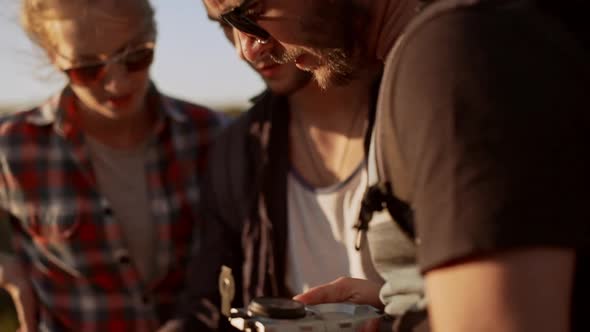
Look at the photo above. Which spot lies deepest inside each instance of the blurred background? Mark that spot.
(193, 61)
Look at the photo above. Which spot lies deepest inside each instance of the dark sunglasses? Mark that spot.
(135, 59)
(238, 18)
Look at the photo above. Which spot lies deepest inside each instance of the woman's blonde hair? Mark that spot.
(35, 14)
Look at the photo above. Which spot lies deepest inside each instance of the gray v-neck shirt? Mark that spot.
(121, 178)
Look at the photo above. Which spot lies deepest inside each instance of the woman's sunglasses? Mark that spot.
(134, 59)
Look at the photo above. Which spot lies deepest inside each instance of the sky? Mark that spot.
(193, 60)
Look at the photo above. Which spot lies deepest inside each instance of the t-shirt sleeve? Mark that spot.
(493, 120)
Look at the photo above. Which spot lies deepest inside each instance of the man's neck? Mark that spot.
(389, 19)
(327, 130)
(330, 109)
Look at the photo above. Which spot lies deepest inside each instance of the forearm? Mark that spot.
(521, 290)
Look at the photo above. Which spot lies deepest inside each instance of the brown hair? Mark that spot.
(35, 14)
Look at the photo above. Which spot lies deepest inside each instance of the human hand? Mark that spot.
(352, 290)
(343, 289)
(174, 325)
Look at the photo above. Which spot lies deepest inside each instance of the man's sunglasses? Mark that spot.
(238, 18)
(134, 59)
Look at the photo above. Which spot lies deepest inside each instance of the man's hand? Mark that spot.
(352, 290)
(16, 282)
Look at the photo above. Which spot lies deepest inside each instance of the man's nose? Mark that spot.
(250, 47)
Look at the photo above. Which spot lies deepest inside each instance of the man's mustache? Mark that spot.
(285, 56)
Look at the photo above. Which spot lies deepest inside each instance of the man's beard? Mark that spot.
(335, 37)
(336, 66)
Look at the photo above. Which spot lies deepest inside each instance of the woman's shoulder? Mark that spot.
(15, 122)
(34, 118)
(23, 130)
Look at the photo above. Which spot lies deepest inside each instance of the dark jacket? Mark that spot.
(246, 188)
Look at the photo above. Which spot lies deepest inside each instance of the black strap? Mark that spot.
(400, 211)
(373, 201)
(379, 196)
(376, 198)
(372, 114)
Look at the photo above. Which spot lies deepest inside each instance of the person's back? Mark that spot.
(491, 95)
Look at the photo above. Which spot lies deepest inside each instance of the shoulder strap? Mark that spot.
(371, 115)
(379, 194)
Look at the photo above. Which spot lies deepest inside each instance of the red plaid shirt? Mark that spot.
(66, 233)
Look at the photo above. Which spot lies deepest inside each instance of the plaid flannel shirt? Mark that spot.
(66, 234)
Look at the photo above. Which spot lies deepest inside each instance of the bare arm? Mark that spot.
(524, 290)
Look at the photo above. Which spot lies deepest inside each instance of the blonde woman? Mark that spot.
(101, 182)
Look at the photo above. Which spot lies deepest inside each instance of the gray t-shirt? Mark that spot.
(121, 178)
